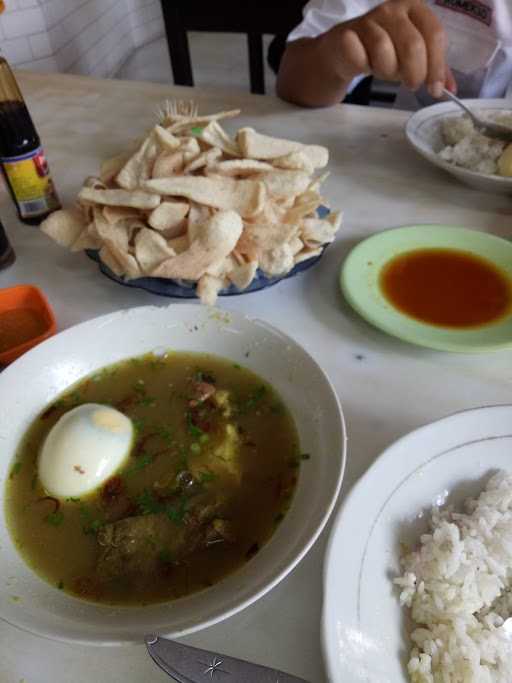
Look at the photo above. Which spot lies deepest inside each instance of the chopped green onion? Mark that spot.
(183, 458)
(139, 424)
(177, 514)
(165, 556)
(89, 524)
(193, 429)
(206, 476)
(54, 518)
(165, 434)
(253, 399)
(15, 469)
(142, 461)
(147, 401)
(149, 503)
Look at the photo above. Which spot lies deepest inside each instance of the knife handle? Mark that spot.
(186, 664)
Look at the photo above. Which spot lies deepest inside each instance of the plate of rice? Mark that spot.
(418, 572)
(445, 136)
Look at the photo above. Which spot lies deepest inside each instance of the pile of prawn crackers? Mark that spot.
(193, 204)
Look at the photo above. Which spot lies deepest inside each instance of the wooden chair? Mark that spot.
(253, 18)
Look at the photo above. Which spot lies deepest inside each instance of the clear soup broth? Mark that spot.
(211, 473)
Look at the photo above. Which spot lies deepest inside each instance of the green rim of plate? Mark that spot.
(359, 281)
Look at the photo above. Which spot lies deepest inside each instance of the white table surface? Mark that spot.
(386, 387)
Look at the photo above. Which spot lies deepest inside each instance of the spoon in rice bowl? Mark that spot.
(491, 130)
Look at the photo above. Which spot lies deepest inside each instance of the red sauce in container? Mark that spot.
(18, 326)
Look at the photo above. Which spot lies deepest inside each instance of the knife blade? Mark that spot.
(186, 664)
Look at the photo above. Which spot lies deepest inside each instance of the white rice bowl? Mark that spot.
(457, 585)
(424, 131)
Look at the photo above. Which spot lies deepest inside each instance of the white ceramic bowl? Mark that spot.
(41, 375)
(423, 131)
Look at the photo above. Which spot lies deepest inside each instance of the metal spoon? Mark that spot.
(491, 130)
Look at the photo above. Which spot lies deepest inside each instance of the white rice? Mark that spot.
(458, 587)
(466, 148)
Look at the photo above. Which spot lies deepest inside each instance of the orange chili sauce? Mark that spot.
(18, 326)
(447, 287)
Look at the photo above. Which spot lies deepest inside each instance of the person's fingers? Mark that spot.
(397, 42)
(450, 82)
(353, 59)
(380, 50)
(411, 51)
(435, 41)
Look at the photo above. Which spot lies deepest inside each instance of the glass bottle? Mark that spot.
(21, 156)
(7, 256)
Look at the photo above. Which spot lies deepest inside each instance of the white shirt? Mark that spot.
(479, 36)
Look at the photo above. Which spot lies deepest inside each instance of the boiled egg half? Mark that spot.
(83, 449)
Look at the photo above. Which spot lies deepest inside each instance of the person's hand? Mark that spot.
(400, 40)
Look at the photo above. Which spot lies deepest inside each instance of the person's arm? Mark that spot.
(399, 40)
(309, 72)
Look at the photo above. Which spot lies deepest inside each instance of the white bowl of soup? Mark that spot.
(209, 451)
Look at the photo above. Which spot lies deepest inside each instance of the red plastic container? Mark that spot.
(26, 319)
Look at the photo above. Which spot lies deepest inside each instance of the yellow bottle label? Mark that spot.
(31, 184)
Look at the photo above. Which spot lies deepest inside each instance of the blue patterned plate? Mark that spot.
(187, 290)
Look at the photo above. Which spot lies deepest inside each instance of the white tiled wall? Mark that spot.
(91, 37)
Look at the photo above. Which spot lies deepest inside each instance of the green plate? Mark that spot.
(359, 279)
